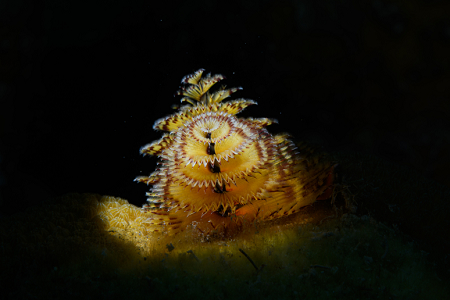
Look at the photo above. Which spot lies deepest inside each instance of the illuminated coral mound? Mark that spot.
(218, 171)
(87, 246)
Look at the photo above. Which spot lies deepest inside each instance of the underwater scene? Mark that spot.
(292, 149)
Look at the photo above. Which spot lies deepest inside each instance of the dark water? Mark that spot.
(82, 83)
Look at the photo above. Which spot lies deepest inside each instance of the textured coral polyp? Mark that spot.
(217, 171)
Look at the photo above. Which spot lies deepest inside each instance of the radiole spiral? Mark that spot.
(217, 170)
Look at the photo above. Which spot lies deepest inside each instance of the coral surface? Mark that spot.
(88, 246)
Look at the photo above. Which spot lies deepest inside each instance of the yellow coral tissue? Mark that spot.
(217, 171)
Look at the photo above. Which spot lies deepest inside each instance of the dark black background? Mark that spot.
(82, 82)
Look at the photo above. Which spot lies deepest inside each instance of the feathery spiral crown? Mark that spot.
(214, 165)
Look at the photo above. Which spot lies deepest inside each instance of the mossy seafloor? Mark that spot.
(65, 249)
